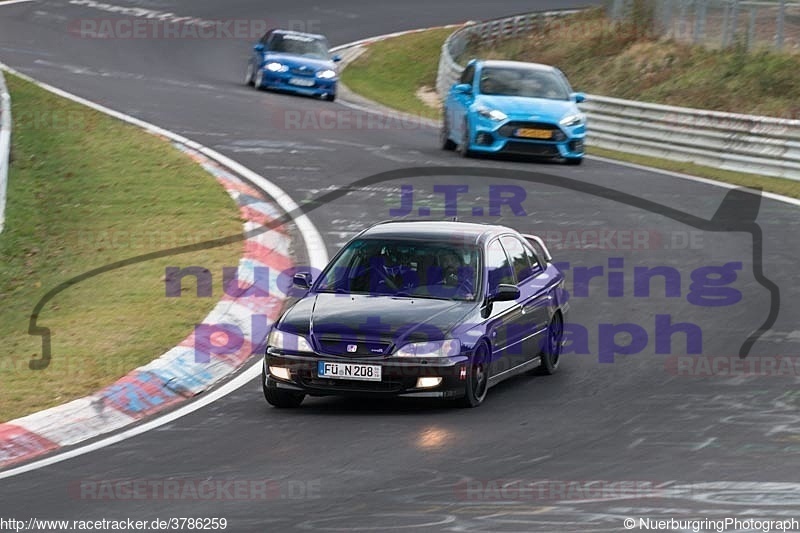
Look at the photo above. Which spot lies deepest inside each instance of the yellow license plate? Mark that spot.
(530, 133)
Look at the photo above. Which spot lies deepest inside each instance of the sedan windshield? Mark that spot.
(404, 268)
(298, 45)
(522, 81)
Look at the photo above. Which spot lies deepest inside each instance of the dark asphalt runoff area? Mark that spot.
(664, 432)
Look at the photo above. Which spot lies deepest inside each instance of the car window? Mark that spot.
(523, 81)
(522, 257)
(401, 267)
(300, 45)
(468, 75)
(497, 266)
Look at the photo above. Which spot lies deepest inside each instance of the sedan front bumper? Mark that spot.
(398, 377)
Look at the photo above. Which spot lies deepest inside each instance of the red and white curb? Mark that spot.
(237, 325)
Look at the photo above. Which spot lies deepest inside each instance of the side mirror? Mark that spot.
(579, 97)
(504, 293)
(462, 88)
(259, 47)
(302, 280)
(336, 58)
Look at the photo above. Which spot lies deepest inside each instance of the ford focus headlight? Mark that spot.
(445, 348)
(326, 74)
(492, 114)
(274, 66)
(287, 341)
(573, 120)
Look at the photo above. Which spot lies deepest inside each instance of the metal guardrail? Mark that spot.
(743, 143)
(718, 23)
(5, 146)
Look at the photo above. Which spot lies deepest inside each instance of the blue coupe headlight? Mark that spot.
(491, 114)
(274, 66)
(573, 120)
(446, 348)
(326, 74)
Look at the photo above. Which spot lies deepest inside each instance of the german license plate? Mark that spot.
(301, 82)
(531, 133)
(326, 369)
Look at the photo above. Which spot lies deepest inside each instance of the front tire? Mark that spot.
(280, 398)
(463, 148)
(444, 136)
(259, 81)
(551, 353)
(574, 161)
(477, 378)
(248, 75)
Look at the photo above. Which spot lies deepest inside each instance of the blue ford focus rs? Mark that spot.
(294, 62)
(511, 107)
(420, 309)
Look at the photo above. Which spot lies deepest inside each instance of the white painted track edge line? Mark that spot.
(315, 248)
(204, 399)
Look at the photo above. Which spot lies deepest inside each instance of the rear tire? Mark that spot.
(477, 378)
(280, 398)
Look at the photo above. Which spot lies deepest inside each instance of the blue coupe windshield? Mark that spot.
(404, 268)
(522, 81)
(300, 45)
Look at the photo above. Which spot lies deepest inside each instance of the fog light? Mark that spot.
(576, 145)
(279, 372)
(484, 139)
(427, 383)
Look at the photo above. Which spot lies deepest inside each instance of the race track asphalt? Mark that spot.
(688, 444)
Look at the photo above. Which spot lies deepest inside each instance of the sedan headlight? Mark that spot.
(276, 67)
(326, 74)
(445, 348)
(573, 120)
(288, 341)
(491, 114)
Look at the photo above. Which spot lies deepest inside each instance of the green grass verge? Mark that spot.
(392, 71)
(86, 190)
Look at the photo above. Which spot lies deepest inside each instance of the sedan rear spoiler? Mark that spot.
(537, 242)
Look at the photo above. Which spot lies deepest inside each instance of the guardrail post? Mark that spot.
(734, 21)
(5, 146)
(751, 29)
(683, 25)
(700, 20)
(780, 22)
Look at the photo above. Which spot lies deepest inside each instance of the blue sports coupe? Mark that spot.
(295, 62)
(511, 107)
(420, 309)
